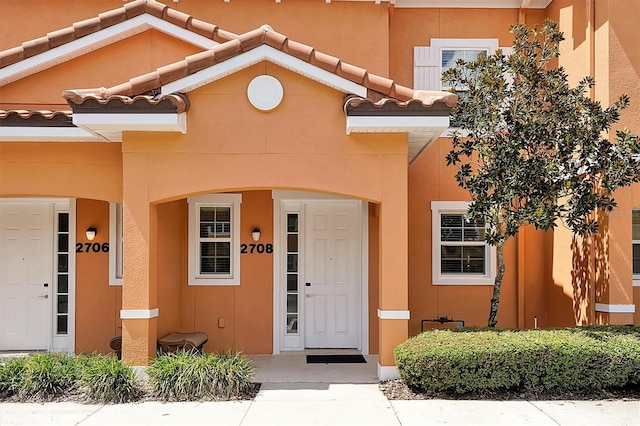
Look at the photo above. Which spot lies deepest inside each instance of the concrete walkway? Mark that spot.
(326, 404)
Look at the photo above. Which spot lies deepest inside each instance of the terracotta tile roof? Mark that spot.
(104, 20)
(98, 101)
(378, 87)
(439, 103)
(24, 118)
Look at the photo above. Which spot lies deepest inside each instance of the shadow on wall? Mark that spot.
(601, 264)
(581, 279)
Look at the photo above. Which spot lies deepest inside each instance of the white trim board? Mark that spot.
(255, 56)
(138, 313)
(615, 309)
(47, 134)
(393, 315)
(97, 40)
(397, 124)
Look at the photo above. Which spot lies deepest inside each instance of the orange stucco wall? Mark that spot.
(234, 317)
(61, 169)
(431, 180)
(97, 303)
(600, 41)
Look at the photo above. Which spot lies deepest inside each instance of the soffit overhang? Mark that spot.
(423, 125)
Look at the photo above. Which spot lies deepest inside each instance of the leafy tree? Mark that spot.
(530, 149)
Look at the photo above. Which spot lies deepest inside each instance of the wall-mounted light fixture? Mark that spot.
(91, 233)
(255, 234)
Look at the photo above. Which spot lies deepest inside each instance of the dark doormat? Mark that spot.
(336, 359)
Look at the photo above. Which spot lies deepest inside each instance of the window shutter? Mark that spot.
(426, 68)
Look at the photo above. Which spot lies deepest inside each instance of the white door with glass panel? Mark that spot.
(26, 254)
(331, 275)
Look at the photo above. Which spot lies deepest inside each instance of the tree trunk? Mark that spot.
(495, 300)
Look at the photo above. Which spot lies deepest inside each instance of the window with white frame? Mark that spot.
(214, 239)
(635, 236)
(460, 254)
(431, 61)
(115, 244)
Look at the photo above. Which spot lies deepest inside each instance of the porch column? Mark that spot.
(139, 289)
(393, 313)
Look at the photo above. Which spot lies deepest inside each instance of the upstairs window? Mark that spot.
(431, 61)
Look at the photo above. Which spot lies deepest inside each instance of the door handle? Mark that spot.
(309, 295)
(46, 296)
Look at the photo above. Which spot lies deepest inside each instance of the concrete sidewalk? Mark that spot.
(326, 404)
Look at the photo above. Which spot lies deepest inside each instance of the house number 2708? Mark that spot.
(256, 248)
(92, 248)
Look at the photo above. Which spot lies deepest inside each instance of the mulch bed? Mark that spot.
(397, 390)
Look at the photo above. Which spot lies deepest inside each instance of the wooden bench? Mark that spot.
(185, 341)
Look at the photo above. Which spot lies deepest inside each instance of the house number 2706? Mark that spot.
(92, 248)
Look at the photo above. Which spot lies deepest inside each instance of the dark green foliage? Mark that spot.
(574, 359)
(52, 375)
(532, 149)
(107, 379)
(190, 376)
(11, 373)
(48, 375)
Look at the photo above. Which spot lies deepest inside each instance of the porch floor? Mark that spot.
(292, 367)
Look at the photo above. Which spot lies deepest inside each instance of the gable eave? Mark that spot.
(97, 40)
(255, 56)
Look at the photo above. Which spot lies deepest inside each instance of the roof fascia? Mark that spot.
(396, 124)
(94, 41)
(471, 4)
(47, 134)
(257, 55)
(110, 126)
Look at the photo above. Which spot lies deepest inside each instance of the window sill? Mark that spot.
(213, 281)
(483, 281)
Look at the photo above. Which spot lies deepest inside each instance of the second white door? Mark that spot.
(331, 279)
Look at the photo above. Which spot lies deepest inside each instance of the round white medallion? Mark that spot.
(265, 92)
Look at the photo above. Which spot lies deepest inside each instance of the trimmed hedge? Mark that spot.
(469, 360)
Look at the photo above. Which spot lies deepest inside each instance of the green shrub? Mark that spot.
(11, 375)
(47, 375)
(191, 376)
(467, 360)
(107, 379)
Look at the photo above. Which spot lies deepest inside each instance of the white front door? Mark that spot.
(26, 254)
(331, 275)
